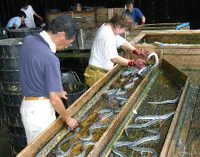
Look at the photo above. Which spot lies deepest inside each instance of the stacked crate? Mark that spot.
(88, 21)
(104, 15)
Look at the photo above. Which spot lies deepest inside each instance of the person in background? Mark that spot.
(104, 53)
(30, 13)
(40, 76)
(135, 13)
(78, 7)
(15, 22)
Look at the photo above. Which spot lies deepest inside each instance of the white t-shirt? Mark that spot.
(104, 47)
(29, 21)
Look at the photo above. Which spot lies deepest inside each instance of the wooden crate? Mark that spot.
(181, 48)
(104, 15)
(88, 21)
(85, 19)
(157, 26)
(51, 15)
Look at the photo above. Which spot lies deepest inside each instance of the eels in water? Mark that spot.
(153, 117)
(133, 144)
(82, 154)
(149, 123)
(96, 125)
(60, 152)
(173, 101)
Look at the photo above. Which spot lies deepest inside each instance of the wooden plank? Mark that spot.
(174, 123)
(183, 60)
(138, 38)
(173, 70)
(156, 26)
(87, 25)
(182, 50)
(179, 139)
(118, 10)
(110, 13)
(89, 13)
(189, 68)
(172, 32)
(193, 140)
(102, 11)
(51, 16)
(85, 19)
(102, 18)
(172, 36)
(73, 55)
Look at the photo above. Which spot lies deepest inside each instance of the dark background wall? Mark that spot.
(156, 11)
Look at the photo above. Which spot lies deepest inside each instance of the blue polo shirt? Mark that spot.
(137, 15)
(15, 20)
(39, 68)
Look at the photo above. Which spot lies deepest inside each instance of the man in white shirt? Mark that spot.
(104, 48)
(30, 13)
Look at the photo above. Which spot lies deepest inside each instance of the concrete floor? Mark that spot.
(5, 149)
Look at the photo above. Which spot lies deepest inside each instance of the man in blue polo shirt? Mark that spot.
(40, 76)
(135, 13)
(15, 22)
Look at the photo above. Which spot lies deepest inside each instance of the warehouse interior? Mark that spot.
(180, 49)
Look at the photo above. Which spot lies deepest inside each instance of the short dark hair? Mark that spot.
(75, 5)
(123, 20)
(130, 2)
(65, 24)
(21, 13)
(25, 3)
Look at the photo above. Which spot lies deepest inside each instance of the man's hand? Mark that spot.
(72, 123)
(63, 94)
(141, 53)
(139, 63)
(40, 18)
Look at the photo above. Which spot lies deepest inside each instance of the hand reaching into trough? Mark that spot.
(141, 53)
(139, 63)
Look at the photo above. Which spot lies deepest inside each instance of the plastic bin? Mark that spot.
(74, 91)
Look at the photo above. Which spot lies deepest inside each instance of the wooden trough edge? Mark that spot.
(107, 135)
(32, 148)
(167, 143)
(129, 116)
(41, 140)
(180, 75)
